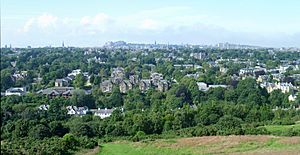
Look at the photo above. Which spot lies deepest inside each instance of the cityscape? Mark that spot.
(159, 78)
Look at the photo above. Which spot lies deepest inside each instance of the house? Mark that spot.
(284, 87)
(202, 86)
(184, 65)
(75, 72)
(57, 91)
(19, 75)
(125, 86)
(118, 72)
(216, 86)
(205, 87)
(163, 85)
(278, 77)
(246, 71)
(156, 78)
(106, 86)
(19, 91)
(252, 71)
(44, 107)
(263, 78)
(223, 70)
(144, 85)
(61, 83)
(134, 79)
(292, 97)
(199, 56)
(74, 110)
(103, 113)
(195, 75)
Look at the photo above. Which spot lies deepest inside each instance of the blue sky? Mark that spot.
(93, 22)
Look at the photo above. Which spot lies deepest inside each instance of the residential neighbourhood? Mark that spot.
(283, 77)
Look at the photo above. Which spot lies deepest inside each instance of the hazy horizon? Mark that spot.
(270, 23)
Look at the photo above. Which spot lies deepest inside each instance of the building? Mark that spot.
(134, 79)
(156, 78)
(284, 87)
(125, 86)
(44, 107)
(75, 72)
(106, 86)
(292, 97)
(118, 72)
(205, 87)
(103, 113)
(199, 56)
(57, 91)
(19, 91)
(202, 86)
(163, 86)
(144, 85)
(74, 110)
(61, 83)
(217, 86)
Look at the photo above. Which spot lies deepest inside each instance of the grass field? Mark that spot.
(206, 145)
(278, 129)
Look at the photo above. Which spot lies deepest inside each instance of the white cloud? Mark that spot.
(43, 22)
(149, 24)
(46, 20)
(100, 22)
(27, 25)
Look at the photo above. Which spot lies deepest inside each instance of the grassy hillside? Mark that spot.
(206, 145)
(282, 129)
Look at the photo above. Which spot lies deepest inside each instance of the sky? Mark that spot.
(91, 23)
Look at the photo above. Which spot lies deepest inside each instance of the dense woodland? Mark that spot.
(243, 108)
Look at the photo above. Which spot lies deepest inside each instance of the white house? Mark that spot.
(19, 91)
(104, 113)
(74, 110)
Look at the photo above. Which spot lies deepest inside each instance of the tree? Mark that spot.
(216, 93)
(82, 129)
(229, 125)
(116, 98)
(40, 132)
(277, 98)
(6, 80)
(79, 81)
(70, 141)
(178, 95)
(21, 128)
(56, 128)
(80, 99)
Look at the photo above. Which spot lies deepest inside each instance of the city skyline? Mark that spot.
(42, 23)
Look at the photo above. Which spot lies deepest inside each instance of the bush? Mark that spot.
(139, 136)
(285, 121)
(256, 131)
(87, 143)
(201, 131)
(229, 125)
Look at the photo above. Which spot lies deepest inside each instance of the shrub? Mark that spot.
(139, 136)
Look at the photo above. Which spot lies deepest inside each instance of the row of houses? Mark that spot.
(61, 92)
(117, 78)
(80, 111)
(284, 87)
